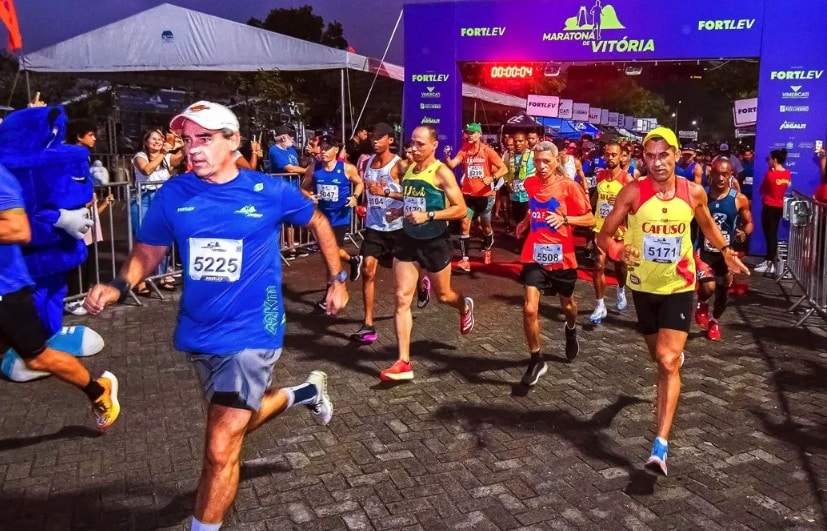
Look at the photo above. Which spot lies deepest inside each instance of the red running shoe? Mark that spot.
(702, 315)
(401, 370)
(714, 331)
(466, 319)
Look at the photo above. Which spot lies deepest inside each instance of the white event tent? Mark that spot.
(169, 40)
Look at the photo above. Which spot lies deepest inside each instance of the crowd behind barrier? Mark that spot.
(115, 226)
(806, 260)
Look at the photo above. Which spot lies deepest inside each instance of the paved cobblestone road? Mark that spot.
(453, 449)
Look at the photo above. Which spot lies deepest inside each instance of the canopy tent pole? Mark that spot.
(381, 62)
(342, 96)
(28, 87)
(475, 110)
(13, 87)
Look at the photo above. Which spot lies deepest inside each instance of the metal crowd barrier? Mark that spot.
(806, 260)
(116, 226)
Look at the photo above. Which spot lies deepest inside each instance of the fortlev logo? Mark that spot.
(796, 93)
(588, 26)
(792, 125)
(790, 75)
(795, 108)
(429, 120)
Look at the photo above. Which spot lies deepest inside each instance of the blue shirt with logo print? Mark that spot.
(15, 275)
(228, 237)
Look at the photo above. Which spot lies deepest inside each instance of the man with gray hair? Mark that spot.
(226, 221)
(556, 205)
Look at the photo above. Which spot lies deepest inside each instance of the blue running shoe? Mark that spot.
(657, 461)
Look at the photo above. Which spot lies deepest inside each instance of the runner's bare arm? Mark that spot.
(454, 162)
(14, 226)
(498, 167)
(307, 183)
(337, 296)
(457, 208)
(142, 260)
(579, 167)
(358, 185)
(745, 224)
(711, 231)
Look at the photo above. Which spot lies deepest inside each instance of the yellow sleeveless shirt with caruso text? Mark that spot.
(660, 230)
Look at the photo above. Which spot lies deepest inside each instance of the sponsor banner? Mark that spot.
(603, 29)
(621, 119)
(689, 135)
(629, 123)
(604, 116)
(743, 132)
(792, 102)
(594, 115)
(580, 112)
(566, 109)
(547, 106)
(745, 112)
(612, 120)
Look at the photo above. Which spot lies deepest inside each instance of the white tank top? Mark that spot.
(377, 205)
(570, 168)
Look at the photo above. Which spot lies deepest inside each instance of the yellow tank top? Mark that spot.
(606, 190)
(660, 230)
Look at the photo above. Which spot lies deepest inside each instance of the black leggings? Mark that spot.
(770, 218)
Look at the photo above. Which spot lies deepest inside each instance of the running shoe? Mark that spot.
(322, 304)
(763, 267)
(423, 293)
(622, 303)
(598, 314)
(356, 267)
(657, 461)
(366, 334)
(683, 359)
(75, 308)
(289, 255)
(572, 345)
(713, 332)
(322, 408)
(106, 407)
(488, 242)
(535, 370)
(302, 252)
(464, 265)
(702, 315)
(466, 319)
(401, 370)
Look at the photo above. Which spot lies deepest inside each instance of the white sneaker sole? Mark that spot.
(319, 379)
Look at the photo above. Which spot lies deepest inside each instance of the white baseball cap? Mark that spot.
(723, 147)
(208, 115)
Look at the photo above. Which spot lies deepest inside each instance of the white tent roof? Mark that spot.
(172, 38)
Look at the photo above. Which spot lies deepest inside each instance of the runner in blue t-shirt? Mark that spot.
(335, 186)
(226, 223)
(20, 326)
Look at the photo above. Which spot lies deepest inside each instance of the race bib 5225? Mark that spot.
(215, 259)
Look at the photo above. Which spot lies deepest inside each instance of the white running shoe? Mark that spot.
(75, 308)
(622, 303)
(322, 409)
(763, 267)
(599, 314)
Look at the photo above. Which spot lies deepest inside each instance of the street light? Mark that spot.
(677, 108)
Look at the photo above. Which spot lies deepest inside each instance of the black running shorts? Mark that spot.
(556, 282)
(717, 267)
(654, 312)
(379, 244)
(20, 326)
(433, 254)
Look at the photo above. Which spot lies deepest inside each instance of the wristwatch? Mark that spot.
(340, 278)
(387, 192)
(431, 215)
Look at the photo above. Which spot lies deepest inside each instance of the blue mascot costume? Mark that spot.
(56, 189)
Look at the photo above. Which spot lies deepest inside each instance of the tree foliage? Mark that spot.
(302, 23)
(734, 80)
